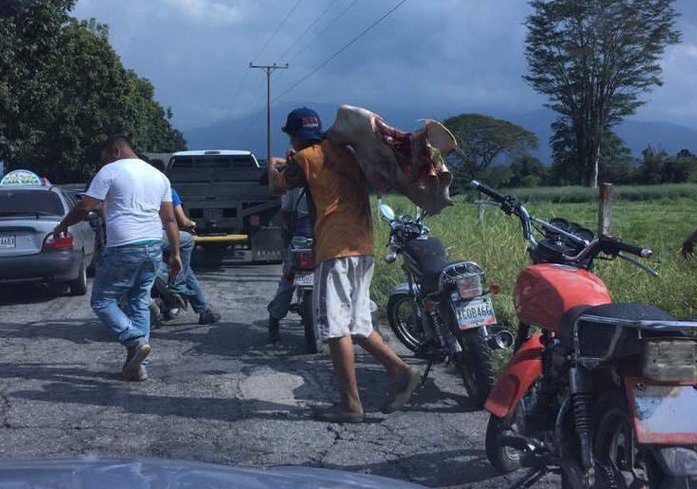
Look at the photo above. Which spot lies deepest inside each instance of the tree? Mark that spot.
(679, 169)
(482, 139)
(29, 33)
(88, 94)
(616, 164)
(651, 169)
(593, 59)
(528, 171)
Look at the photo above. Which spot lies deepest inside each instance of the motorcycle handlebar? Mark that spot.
(485, 189)
(616, 246)
(612, 246)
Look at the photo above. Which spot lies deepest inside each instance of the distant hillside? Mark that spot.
(250, 132)
(636, 134)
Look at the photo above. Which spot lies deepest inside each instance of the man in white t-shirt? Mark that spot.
(138, 203)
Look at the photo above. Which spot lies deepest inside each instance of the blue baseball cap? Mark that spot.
(304, 124)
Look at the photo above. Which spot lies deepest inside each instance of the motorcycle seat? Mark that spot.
(430, 257)
(595, 337)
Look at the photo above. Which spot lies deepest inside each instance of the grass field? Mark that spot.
(498, 245)
(572, 194)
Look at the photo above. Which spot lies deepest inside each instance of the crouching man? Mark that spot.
(138, 202)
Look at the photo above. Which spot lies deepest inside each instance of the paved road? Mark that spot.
(218, 394)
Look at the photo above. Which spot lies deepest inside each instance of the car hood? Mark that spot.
(89, 473)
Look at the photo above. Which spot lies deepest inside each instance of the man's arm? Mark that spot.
(77, 214)
(274, 168)
(181, 218)
(689, 245)
(169, 222)
(286, 174)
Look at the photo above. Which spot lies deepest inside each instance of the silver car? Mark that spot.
(28, 251)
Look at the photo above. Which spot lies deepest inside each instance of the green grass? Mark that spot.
(572, 194)
(498, 246)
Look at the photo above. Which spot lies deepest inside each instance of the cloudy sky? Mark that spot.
(458, 55)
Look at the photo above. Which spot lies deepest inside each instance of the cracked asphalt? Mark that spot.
(220, 393)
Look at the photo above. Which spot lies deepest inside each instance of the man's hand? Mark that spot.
(58, 230)
(687, 250)
(273, 168)
(77, 214)
(175, 267)
(277, 163)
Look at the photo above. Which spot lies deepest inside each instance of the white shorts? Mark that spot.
(341, 298)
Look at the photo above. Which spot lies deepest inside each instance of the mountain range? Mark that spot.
(249, 132)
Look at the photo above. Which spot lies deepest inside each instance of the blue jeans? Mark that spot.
(279, 305)
(128, 270)
(186, 283)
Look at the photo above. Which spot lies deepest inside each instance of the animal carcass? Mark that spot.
(411, 163)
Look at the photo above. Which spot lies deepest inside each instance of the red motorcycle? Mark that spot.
(605, 393)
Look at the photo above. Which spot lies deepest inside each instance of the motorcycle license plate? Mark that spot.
(8, 241)
(304, 280)
(475, 313)
(663, 414)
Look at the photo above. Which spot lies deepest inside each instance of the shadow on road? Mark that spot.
(28, 293)
(79, 331)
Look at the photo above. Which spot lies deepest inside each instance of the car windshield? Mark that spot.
(25, 201)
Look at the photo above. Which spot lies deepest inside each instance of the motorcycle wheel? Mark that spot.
(400, 316)
(476, 365)
(308, 322)
(504, 459)
(615, 450)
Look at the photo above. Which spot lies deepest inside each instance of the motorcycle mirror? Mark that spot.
(391, 257)
(386, 212)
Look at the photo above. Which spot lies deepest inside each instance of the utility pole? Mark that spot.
(268, 69)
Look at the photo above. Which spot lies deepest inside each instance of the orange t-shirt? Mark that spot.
(343, 223)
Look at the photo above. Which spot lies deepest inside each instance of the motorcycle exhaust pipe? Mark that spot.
(501, 340)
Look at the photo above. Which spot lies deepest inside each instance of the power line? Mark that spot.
(323, 30)
(342, 49)
(238, 90)
(280, 26)
(268, 69)
(312, 24)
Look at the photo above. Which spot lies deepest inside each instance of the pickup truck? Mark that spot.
(226, 192)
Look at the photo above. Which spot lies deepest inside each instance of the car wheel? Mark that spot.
(79, 285)
(92, 268)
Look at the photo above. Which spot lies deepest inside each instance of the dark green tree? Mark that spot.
(482, 139)
(651, 167)
(679, 169)
(528, 171)
(87, 94)
(29, 35)
(593, 59)
(100, 97)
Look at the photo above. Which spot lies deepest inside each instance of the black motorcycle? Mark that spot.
(444, 311)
